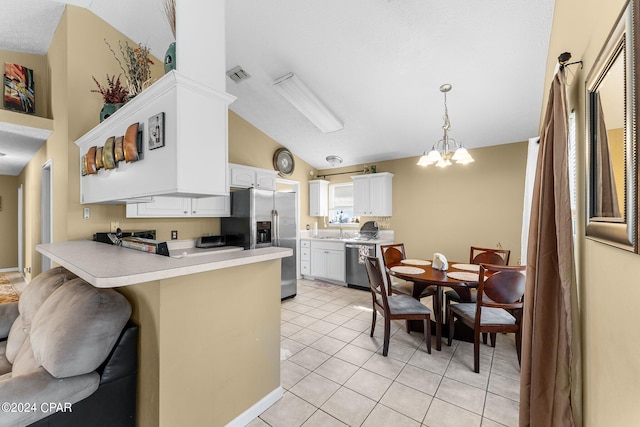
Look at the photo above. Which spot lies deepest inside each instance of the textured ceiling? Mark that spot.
(377, 64)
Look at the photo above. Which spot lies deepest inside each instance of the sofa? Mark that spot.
(69, 357)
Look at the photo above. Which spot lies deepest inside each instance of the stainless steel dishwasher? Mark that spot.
(356, 254)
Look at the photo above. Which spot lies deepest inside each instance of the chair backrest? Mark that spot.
(500, 286)
(392, 254)
(492, 256)
(376, 284)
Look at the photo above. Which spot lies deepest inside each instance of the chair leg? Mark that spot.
(493, 339)
(476, 352)
(484, 338)
(373, 322)
(407, 324)
(519, 344)
(451, 322)
(387, 333)
(446, 307)
(427, 333)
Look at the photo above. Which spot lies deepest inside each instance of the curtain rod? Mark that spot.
(341, 173)
(564, 57)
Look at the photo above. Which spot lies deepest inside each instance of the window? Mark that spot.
(572, 169)
(341, 203)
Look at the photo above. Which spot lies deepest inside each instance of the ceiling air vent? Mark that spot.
(238, 74)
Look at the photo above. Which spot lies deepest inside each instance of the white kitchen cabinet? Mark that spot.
(191, 163)
(372, 194)
(241, 176)
(180, 207)
(305, 257)
(328, 261)
(219, 206)
(318, 197)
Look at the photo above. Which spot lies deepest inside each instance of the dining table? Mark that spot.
(461, 277)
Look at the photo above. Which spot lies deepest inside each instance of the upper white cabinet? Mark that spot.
(241, 176)
(191, 163)
(318, 197)
(372, 194)
(177, 207)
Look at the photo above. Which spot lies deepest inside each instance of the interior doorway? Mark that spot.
(47, 210)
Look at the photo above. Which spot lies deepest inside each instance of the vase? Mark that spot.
(109, 109)
(170, 58)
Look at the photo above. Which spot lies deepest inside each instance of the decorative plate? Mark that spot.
(283, 162)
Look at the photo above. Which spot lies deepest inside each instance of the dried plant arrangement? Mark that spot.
(169, 7)
(135, 64)
(113, 92)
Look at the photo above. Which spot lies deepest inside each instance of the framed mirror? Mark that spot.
(612, 208)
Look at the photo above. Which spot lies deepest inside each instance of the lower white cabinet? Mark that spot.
(305, 257)
(180, 207)
(327, 261)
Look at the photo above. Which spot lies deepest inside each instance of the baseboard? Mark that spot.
(8, 270)
(262, 405)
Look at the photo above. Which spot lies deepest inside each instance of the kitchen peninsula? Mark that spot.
(209, 324)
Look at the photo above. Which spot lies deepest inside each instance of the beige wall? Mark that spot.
(38, 63)
(608, 277)
(249, 146)
(8, 221)
(203, 363)
(448, 210)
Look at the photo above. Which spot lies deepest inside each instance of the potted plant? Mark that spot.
(113, 94)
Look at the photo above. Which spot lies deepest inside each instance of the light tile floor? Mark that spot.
(334, 374)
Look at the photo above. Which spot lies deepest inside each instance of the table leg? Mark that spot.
(437, 313)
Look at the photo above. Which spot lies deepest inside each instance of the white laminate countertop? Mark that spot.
(108, 266)
(386, 237)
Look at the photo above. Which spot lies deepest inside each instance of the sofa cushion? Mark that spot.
(37, 291)
(76, 328)
(30, 301)
(5, 365)
(25, 361)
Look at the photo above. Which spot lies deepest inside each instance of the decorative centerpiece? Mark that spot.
(113, 94)
(135, 64)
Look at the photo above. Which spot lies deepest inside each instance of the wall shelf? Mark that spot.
(193, 161)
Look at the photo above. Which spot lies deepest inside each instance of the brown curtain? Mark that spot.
(550, 381)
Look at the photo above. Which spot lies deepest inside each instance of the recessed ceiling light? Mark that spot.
(2, 154)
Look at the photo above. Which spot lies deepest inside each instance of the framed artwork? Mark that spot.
(156, 131)
(19, 89)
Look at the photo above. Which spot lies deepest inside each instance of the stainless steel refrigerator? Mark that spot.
(262, 218)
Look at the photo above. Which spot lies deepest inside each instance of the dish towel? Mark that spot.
(439, 262)
(363, 253)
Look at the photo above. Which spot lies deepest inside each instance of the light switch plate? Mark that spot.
(85, 215)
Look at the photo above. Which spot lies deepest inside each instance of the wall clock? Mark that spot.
(283, 161)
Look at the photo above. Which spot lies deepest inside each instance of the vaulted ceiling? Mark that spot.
(376, 64)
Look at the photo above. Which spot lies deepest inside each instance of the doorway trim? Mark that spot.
(46, 208)
(20, 230)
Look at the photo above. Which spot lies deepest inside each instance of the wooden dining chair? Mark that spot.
(394, 307)
(500, 288)
(394, 254)
(477, 255)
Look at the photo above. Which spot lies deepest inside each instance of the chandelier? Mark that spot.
(441, 153)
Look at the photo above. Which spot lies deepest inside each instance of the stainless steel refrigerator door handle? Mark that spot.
(276, 227)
